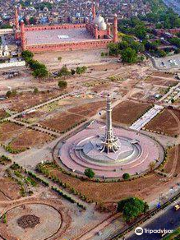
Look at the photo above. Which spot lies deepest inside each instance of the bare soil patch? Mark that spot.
(169, 162)
(29, 138)
(163, 74)
(62, 122)
(100, 87)
(89, 109)
(118, 190)
(3, 114)
(9, 189)
(29, 99)
(165, 123)
(8, 130)
(128, 112)
(160, 81)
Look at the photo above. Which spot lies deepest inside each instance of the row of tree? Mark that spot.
(64, 71)
(39, 69)
(128, 48)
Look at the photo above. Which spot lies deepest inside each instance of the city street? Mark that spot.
(168, 219)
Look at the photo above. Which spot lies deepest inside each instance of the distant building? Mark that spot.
(4, 51)
(95, 33)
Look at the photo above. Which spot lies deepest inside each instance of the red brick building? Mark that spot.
(97, 33)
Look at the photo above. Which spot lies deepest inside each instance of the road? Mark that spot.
(169, 219)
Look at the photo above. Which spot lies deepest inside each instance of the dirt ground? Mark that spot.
(3, 114)
(165, 123)
(160, 81)
(168, 165)
(8, 130)
(62, 122)
(163, 74)
(89, 109)
(29, 99)
(9, 190)
(77, 58)
(30, 138)
(98, 191)
(128, 112)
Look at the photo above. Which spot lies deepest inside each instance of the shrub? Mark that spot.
(35, 90)
(62, 84)
(89, 173)
(126, 176)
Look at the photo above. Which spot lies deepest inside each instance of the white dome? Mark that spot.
(102, 25)
(98, 19)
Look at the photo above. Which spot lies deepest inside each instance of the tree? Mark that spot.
(126, 176)
(132, 208)
(32, 20)
(73, 72)
(27, 55)
(12, 93)
(113, 49)
(34, 64)
(62, 84)
(8, 94)
(89, 173)
(140, 32)
(80, 70)
(4, 26)
(40, 73)
(129, 55)
(175, 41)
(64, 72)
(161, 53)
(36, 90)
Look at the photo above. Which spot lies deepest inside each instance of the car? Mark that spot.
(177, 207)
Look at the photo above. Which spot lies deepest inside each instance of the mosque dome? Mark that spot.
(102, 25)
(99, 21)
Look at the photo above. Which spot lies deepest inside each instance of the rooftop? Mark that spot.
(57, 36)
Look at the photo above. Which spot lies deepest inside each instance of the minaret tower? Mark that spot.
(110, 143)
(93, 10)
(23, 44)
(16, 23)
(115, 28)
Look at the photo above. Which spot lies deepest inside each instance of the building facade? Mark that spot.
(96, 33)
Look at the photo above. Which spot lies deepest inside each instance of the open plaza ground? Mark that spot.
(57, 36)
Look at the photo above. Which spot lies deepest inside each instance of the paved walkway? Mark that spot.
(147, 117)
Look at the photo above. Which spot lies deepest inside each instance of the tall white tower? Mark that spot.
(110, 143)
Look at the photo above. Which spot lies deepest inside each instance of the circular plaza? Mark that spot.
(32, 221)
(125, 151)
